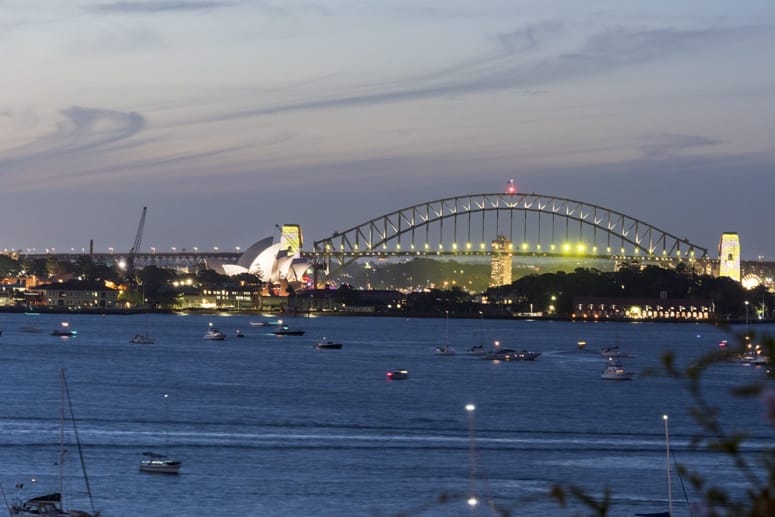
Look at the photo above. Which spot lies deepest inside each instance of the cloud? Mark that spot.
(667, 144)
(507, 68)
(82, 132)
(155, 7)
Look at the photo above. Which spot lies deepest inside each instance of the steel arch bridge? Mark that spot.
(524, 225)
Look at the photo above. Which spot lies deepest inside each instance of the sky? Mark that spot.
(228, 117)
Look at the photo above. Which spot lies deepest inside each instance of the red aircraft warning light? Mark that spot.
(511, 187)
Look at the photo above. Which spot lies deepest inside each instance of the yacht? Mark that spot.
(213, 334)
(616, 372)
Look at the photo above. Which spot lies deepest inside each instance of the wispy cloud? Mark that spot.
(510, 69)
(156, 7)
(81, 132)
(668, 144)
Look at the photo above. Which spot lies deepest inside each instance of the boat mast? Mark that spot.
(667, 466)
(61, 430)
(166, 425)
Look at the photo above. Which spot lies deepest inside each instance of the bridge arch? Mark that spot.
(531, 224)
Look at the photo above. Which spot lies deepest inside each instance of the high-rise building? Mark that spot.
(500, 270)
(729, 255)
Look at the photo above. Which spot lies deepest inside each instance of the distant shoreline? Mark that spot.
(318, 314)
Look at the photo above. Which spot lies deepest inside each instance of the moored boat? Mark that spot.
(64, 330)
(616, 372)
(527, 355)
(159, 464)
(327, 344)
(444, 350)
(285, 330)
(51, 504)
(400, 374)
(213, 334)
(613, 351)
(140, 339)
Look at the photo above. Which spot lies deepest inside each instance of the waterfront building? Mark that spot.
(79, 295)
(500, 269)
(597, 309)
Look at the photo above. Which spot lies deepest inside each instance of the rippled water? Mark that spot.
(267, 425)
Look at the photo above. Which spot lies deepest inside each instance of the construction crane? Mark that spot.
(130, 260)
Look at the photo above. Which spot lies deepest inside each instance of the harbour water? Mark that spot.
(266, 425)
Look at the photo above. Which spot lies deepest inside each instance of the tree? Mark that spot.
(9, 267)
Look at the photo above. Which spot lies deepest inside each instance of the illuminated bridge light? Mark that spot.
(427, 246)
(454, 245)
(398, 245)
(441, 246)
(636, 250)
(581, 248)
(482, 246)
(594, 249)
(621, 251)
(608, 250)
(468, 245)
(525, 246)
(412, 246)
(551, 247)
(538, 247)
(566, 247)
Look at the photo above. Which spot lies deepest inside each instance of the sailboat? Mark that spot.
(445, 349)
(51, 505)
(143, 339)
(478, 349)
(669, 511)
(161, 463)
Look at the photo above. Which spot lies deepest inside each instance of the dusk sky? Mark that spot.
(227, 117)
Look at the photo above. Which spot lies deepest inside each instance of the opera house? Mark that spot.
(272, 262)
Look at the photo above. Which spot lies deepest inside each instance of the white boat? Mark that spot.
(270, 323)
(616, 372)
(213, 334)
(161, 463)
(50, 505)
